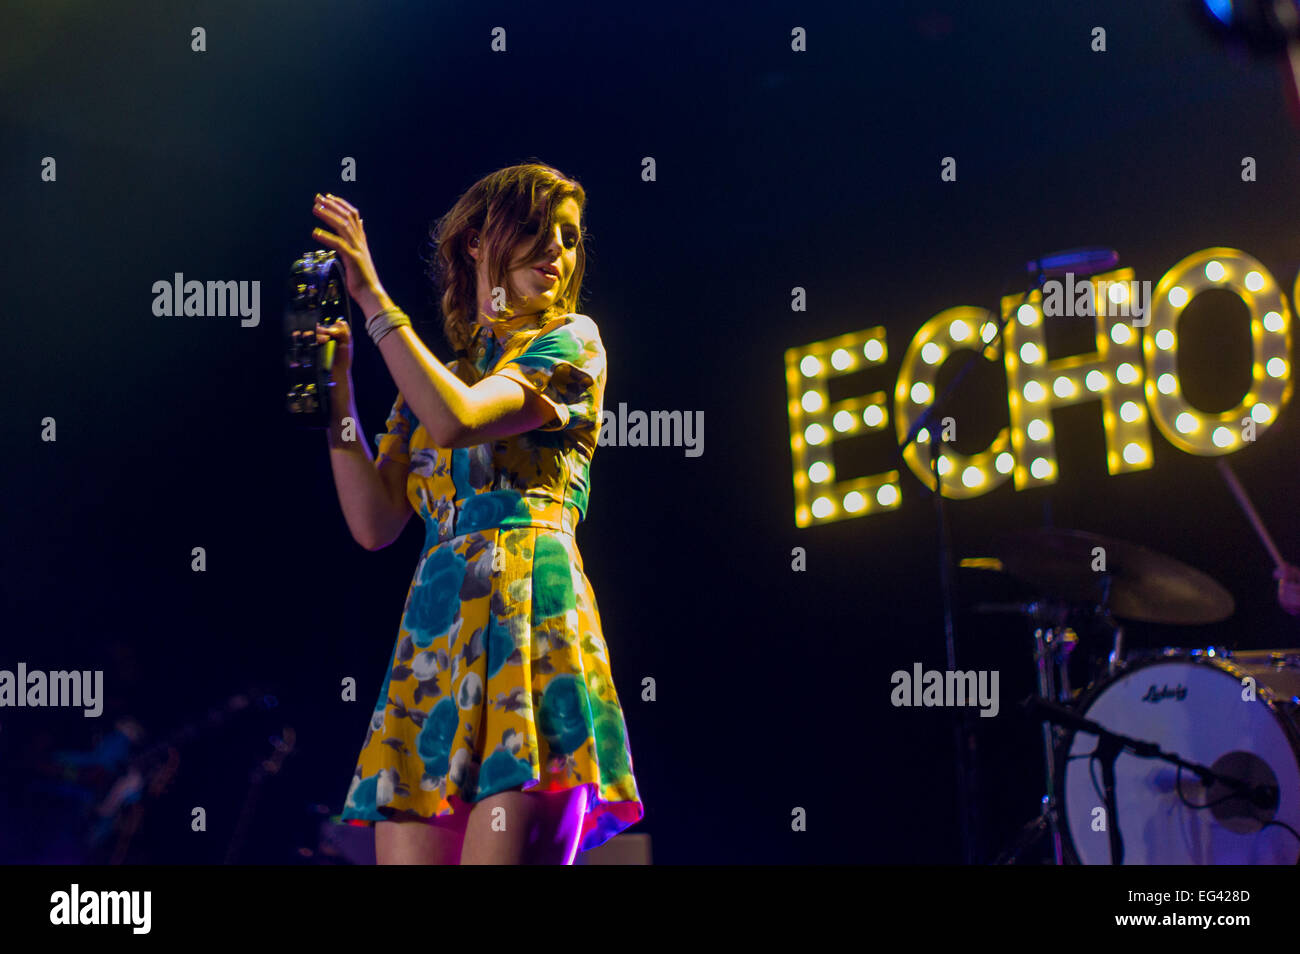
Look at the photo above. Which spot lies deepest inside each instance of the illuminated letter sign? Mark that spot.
(1129, 374)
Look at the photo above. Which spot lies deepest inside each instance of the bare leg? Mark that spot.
(412, 840)
(531, 828)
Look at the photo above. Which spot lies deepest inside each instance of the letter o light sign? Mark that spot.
(1133, 374)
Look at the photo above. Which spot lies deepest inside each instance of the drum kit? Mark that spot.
(1197, 749)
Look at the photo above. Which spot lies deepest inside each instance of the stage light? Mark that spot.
(1267, 27)
(1221, 10)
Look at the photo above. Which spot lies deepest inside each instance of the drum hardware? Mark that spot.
(1116, 656)
(1134, 582)
(1054, 641)
(1257, 789)
(1221, 786)
(1052, 647)
(1236, 771)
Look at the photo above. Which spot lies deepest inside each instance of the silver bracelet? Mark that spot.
(385, 321)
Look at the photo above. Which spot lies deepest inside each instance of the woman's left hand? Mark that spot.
(349, 240)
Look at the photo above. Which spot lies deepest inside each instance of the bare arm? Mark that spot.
(373, 498)
(454, 413)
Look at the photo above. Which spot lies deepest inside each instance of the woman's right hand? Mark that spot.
(341, 335)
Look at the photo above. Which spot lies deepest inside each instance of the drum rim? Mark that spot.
(1090, 695)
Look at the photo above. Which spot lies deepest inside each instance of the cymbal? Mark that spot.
(1144, 585)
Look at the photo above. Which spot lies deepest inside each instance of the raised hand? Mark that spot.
(349, 240)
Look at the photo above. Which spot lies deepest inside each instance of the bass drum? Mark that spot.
(1236, 715)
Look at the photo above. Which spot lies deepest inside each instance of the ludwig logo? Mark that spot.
(1164, 692)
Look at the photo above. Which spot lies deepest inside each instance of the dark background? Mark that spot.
(775, 169)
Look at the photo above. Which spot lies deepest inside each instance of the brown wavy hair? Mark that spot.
(499, 206)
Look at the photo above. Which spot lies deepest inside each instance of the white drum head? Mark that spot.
(1193, 707)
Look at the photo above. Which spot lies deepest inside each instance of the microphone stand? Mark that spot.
(962, 731)
(1111, 744)
(963, 734)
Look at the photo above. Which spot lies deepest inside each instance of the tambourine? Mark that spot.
(317, 295)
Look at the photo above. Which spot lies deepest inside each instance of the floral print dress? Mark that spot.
(500, 677)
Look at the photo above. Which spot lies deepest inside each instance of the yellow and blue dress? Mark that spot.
(500, 678)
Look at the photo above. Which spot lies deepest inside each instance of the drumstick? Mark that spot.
(1239, 492)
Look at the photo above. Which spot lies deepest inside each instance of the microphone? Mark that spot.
(1059, 715)
(1080, 261)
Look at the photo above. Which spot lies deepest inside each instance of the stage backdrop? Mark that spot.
(757, 182)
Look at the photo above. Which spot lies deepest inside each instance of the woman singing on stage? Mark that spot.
(497, 737)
